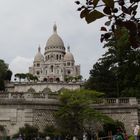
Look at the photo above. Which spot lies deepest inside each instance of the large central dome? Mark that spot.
(54, 42)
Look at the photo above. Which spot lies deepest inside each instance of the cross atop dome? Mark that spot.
(39, 49)
(54, 28)
(68, 48)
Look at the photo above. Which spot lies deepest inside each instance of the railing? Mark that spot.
(124, 100)
(45, 96)
(111, 100)
(138, 101)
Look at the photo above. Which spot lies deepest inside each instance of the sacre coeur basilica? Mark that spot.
(57, 63)
(35, 102)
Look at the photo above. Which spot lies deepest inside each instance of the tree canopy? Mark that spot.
(75, 115)
(5, 74)
(117, 72)
(27, 76)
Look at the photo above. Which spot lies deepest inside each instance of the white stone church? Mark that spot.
(56, 63)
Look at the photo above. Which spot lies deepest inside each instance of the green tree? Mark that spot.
(117, 72)
(5, 74)
(78, 78)
(75, 115)
(31, 77)
(112, 127)
(19, 76)
(8, 75)
(102, 79)
(23, 76)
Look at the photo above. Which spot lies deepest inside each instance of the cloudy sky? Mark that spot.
(27, 23)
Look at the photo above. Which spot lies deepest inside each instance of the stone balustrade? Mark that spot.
(23, 96)
(28, 106)
(43, 97)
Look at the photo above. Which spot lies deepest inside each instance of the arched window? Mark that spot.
(68, 63)
(37, 72)
(57, 79)
(57, 56)
(45, 79)
(69, 71)
(51, 68)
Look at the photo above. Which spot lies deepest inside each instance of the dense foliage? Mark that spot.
(76, 115)
(5, 74)
(117, 73)
(111, 128)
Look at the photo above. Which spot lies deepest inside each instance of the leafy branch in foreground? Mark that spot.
(122, 13)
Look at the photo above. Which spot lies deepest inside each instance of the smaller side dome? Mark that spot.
(68, 56)
(39, 56)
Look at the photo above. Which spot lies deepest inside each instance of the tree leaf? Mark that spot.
(84, 13)
(77, 2)
(107, 10)
(126, 10)
(94, 15)
(107, 35)
(108, 23)
(109, 3)
(102, 38)
(95, 2)
(103, 29)
(135, 7)
(131, 26)
(115, 10)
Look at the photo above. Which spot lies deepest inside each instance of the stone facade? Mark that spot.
(125, 110)
(38, 109)
(15, 114)
(24, 87)
(56, 64)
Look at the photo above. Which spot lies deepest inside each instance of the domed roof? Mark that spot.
(55, 40)
(68, 56)
(39, 56)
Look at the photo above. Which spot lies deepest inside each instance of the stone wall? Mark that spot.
(40, 86)
(38, 109)
(125, 110)
(16, 113)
